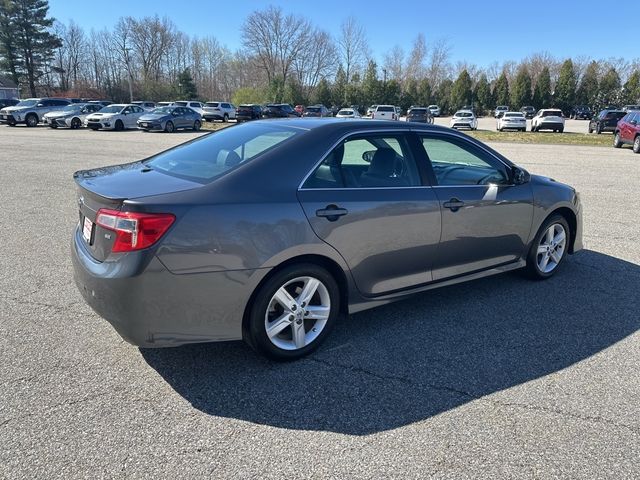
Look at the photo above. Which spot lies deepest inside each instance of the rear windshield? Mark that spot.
(551, 113)
(418, 111)
(386, 109)
(207, 158)
(313, 109)
(160, 110)
(345, 112)
(463, 114)
(517, 115)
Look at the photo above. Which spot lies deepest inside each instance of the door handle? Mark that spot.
(454, 204)
(331, 212)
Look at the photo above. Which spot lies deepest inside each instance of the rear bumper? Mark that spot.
(151, 307)
(550, 126)
(212, 116)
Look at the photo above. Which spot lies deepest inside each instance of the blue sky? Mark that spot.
(479, 31)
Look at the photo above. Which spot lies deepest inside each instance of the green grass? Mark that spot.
(213, 126)
(566, 138)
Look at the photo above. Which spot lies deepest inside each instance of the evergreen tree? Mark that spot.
(186, 88)
(371, 90)
(31, 40)
(410, 94)
(587, 92)
(501, 90)
(425, 94)
(461, 90)
(565, 92)
(339, 90)
(483, 95)
(9, 61)
(443, 96)
(521, 91)
(322, 93)
(609, 93)
(631, 89)
(542, 91)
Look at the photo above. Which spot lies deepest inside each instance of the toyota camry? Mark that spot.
(268, 231)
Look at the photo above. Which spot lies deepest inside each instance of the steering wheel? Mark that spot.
(484, 179)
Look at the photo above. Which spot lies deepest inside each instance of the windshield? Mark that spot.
(345, 112)
(207, 158)
(73, 107)
(27, 103)
(162, 110)
(212, 104)
(111, 109)
(313, 109)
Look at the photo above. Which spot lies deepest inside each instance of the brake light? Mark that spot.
(134, 231)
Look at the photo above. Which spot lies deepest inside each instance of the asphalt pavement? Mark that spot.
(497, 378)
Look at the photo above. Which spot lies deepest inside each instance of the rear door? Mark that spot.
(486, 220)
(368, 200)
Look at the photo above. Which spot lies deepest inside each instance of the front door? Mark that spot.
(486, 220)
(367, 200)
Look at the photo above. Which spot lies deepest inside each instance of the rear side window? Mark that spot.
(212, 104)
(207, 158)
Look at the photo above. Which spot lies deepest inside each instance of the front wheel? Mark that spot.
(636, 145)
(119, 126)
(225, 119)
(32, 120)
(196, 125)
(548, 248)
(616, 140)
(169, 127)
(76, 123)
(293, 312)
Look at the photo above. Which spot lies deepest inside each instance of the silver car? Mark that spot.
(71, 116)
(31, 111)
(269, 230)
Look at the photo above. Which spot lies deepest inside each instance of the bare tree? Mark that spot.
(416, 62)
(353, 47)
(439, 67)
(394, 63)
(316, 61)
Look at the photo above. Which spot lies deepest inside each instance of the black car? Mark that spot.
(248, 111)
(606, 121)
(529, 111)
(419, 114)
(317, 111)
(279, 110)
(8, 102)
(581, 112)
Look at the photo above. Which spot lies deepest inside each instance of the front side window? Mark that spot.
(371, 161)
(455, 162)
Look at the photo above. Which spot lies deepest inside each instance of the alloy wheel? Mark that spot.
(551, 248)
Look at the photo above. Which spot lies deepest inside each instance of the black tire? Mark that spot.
(256, 332)
(561, 130)
(119, 126)
(169, 127)
(196, 125)
(590, 129)
(636, 144)
(616, 140)
(225, 119)
(75, 123)
(533, 269)
(31, 120)
(599, 129)
(53, 125)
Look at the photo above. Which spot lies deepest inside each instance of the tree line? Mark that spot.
(286, 58)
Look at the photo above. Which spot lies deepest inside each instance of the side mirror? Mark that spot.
(520, 176)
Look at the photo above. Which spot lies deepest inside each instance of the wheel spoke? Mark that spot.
(556, 256)
(543, 263)
(559, 238)
(284, 298)
(310, 287)
(550, 232)
(278, 325)
(317, 312)
(298, 334)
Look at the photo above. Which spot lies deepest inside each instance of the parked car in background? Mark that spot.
(371, 109)
(528, 111)
(224, 111)
(170, 119)
(278, 110)
(72, 116)
(146, 106)
(197, 106)
(104, 103)
(385, 112)
(299, 109)
(512, 121)
(628, 108)
(499, 111)
(464, 119)
(8, 102)
(159, 242)
(435, 110)
(628, 131)
(164, 104)
(581, 112)
(398, 112)
(419, 114)
(248, 111)
(317, 111)
(548, 119)
(31, 110)
(117, 116)
(348, 113)
(606, 121)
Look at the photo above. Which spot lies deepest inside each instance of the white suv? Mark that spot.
(385, 112)
(219, 111)
(193, 105)
(435, 110)
(548, 119)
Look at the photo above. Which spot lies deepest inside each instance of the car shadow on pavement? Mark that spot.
(405, 362)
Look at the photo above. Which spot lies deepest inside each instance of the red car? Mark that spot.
(299, 109)
(628, 131)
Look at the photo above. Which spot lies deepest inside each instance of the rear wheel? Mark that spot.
(119, 126)
(616, 140)
(293, 312)
(636, 145)
(561, 130)
(225, 119)
(599, 129)
(196, 125)
(31, 120)
(169, 127)
(548, 248)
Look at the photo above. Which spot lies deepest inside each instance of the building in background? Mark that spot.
(8, 89)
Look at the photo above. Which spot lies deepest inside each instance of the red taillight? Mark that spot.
(134, 231)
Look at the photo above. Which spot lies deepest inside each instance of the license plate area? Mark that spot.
(87, 229)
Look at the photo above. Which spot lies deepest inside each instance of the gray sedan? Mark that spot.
(267, 231)
(169, 119)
